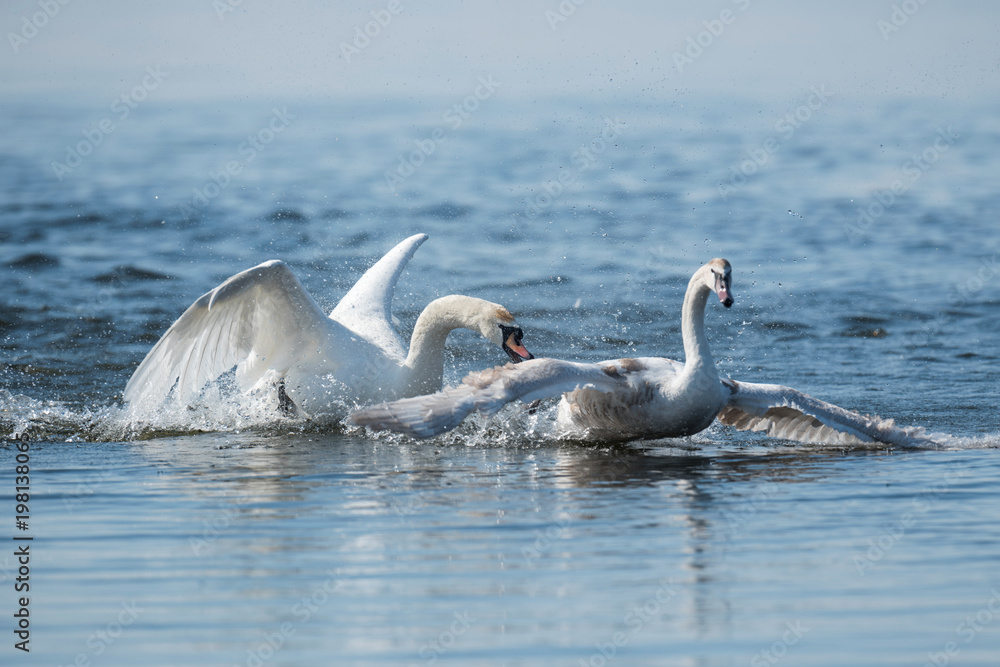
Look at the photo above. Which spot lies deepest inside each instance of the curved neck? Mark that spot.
(697, 356)
(425, 360)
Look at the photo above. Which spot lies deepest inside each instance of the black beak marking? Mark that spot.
(723, 287)
(515, 333)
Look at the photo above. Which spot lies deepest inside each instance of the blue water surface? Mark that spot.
(863, 240)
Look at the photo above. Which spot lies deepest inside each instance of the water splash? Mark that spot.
(219, 412)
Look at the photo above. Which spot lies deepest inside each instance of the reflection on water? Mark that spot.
(371, 550)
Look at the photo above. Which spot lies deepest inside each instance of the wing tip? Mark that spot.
(382, 418)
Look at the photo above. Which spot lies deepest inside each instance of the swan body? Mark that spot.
(264, 323)
(643, 398)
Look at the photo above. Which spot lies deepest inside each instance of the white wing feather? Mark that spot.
(367, 308)
(783, 412)
(257, 320)
(487, 392)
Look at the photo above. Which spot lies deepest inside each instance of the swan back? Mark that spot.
(656, 398)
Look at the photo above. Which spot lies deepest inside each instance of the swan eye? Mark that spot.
(508, 332)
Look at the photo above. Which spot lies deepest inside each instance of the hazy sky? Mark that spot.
(534, 48)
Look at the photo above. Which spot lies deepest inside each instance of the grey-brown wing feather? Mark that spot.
(783, 412)
(487, 392)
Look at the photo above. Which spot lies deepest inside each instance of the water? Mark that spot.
(226, 536)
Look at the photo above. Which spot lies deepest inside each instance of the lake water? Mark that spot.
(863, 239)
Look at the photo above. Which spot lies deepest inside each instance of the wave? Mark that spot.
(125, 273)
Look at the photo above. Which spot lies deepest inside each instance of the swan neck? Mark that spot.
(696, 353)
(425, 359)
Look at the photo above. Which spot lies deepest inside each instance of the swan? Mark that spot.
(643, 398)
(264, 323)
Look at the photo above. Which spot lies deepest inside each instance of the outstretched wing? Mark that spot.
(367, 308)
(787, 413)
(487, 391)
(259, 319)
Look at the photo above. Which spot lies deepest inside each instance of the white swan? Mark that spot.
(263, 322)
(626, 399)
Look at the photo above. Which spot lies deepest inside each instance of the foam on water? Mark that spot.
(514, 426)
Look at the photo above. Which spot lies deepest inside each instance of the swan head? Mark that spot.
(511, 336)
(720, 280)
(497, 325)
(491, 320)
